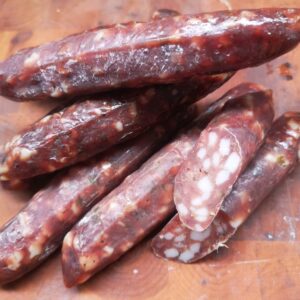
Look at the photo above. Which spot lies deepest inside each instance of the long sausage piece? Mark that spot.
(274, 161)
(92, 126)
(133, 209)
(221, 153)
(38, 229)
(160, 51)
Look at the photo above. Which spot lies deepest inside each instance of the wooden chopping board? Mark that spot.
(262, 261)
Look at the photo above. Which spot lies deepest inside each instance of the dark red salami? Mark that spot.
(38, 229)
(88, 127)
(221, 153)
(160, 51)
(274, 161)
(133, 209)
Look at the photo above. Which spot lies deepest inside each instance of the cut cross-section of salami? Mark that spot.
(273, 162)
(164, 50)
(221, 153)
(38, 229)
(132, 210)
(88, 127)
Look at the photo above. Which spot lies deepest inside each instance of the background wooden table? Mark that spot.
(263, 259)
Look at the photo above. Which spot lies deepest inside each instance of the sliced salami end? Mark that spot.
(221, 153)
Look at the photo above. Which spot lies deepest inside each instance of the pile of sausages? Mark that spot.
(133, 148)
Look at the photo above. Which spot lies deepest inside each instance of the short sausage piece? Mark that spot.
(38, 229)
(132, 210)
(221, 153)
(274, 161)
(163, 50)
(88, 127)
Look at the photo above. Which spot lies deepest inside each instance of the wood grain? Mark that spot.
(263, 259)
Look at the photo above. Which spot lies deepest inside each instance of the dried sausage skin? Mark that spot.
(221, 153)
(132, 210)
(38, 229)
(163, 50)
(273, 162)
(88, 127)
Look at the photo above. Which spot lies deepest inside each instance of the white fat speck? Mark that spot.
(98, 111)
(14, 261)
(195, 45)
(271, 157)
(106, 165)
(135, 271)
(195, 247)
(178, 229)
(182, 209)
(201, 153)
(180, 238)
(225, 147)
(201, 214)
(119, 126)
(64, 86)
(248, 15)
(206, 164)
(68, 239)
(294, 125)
(235, 223)
(109, 250)
(171, 253)
(232, 163)
(212, 139)
(56, 92)
(200, 236)
(34, 250)
(293, 133)
(216, 159)
(169, 236)
(25, 154)
(186, 256)
(32, 60)
(3, 169)
(45, 119)
(88, 263)
(100, 35)
(133, 111)
(24, 222)
(222, 177)
(205, 185)
(114, 206)
(75, 209)
(163, 209)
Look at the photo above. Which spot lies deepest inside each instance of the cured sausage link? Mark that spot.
(221, 153)
(274, 161)
(133, 209)
(88, 127)
(38, 229)
(159, 51)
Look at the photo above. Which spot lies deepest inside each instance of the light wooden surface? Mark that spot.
(263, 259)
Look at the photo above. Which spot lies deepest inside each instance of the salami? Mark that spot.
(88, 127)
(274, 161)
(136, 54)
(221, 153)
(133, 209)
(38, 229)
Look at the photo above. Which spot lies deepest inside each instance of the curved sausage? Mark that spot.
(132, 210)
(221, 153)
(38, 229)
(273, 162)
(160, 51)
(88, 127)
